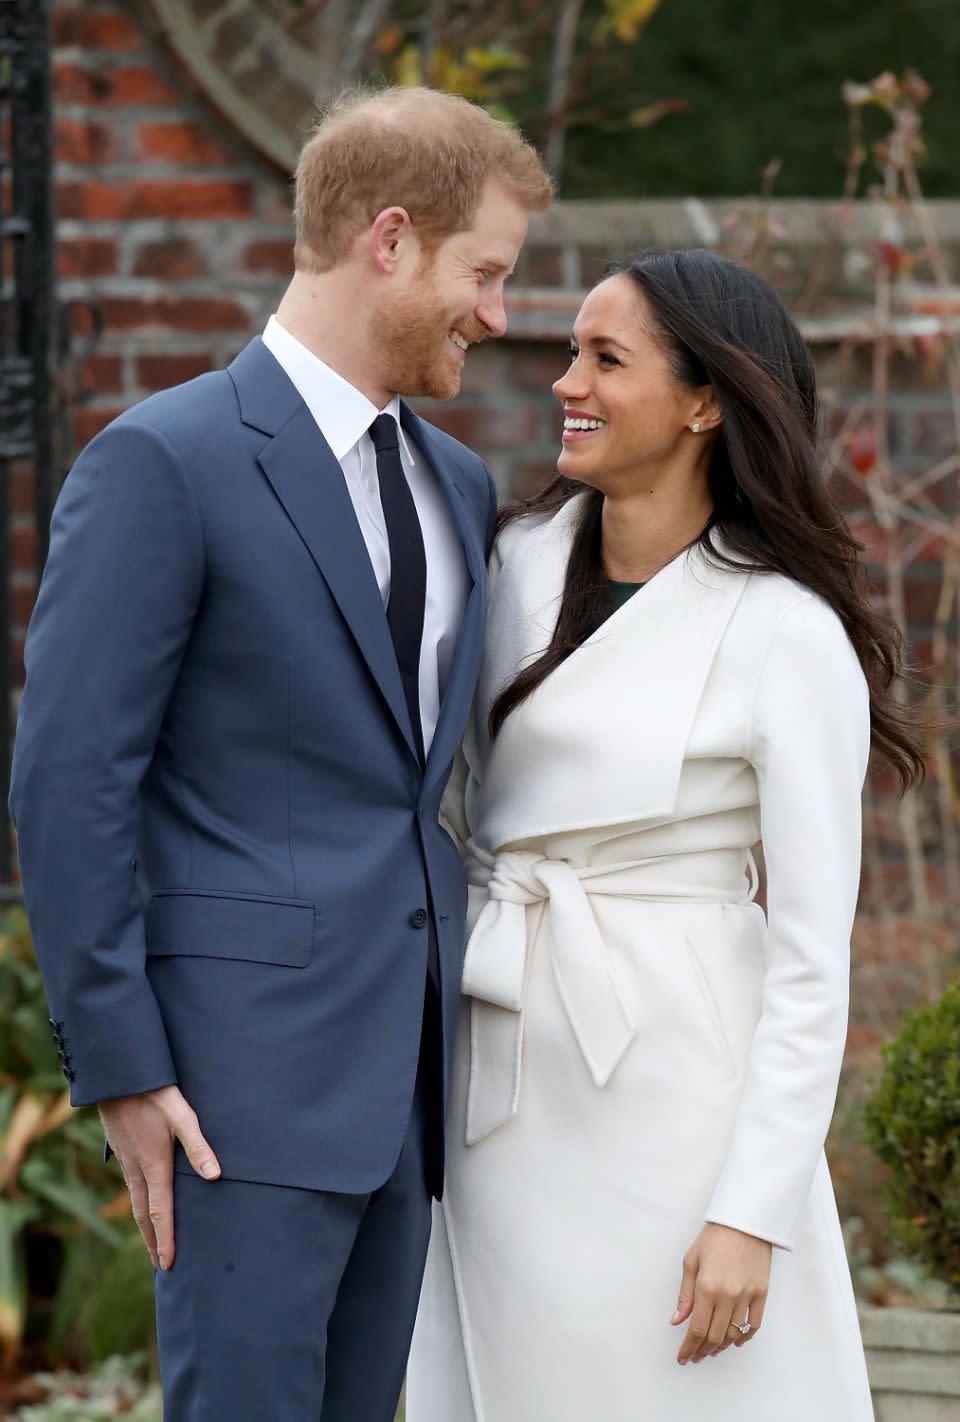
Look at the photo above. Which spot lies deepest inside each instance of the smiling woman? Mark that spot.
(647, 1064)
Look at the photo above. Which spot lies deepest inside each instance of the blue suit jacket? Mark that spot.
(226, 840)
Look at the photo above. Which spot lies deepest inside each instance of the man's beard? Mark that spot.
(414, 333)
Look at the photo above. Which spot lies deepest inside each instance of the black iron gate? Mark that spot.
(27, 320)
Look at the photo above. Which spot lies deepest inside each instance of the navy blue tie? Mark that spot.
(408, 566)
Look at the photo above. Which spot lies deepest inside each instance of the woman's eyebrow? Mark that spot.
(595, 341)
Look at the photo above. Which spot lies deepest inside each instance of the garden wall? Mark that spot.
(179, 236)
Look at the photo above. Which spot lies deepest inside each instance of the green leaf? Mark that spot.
(14, 1215)
(495, 57)
(72, 1198)
(628, 17)
(118, 1317)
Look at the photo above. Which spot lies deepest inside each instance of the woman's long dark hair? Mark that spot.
(722, 326)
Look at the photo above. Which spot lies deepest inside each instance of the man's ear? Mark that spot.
(390, 233)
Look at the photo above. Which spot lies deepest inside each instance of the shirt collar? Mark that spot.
(343, 413)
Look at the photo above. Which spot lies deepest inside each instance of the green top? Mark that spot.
(621, 593)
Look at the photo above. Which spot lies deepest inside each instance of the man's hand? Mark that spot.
(726, 1275)
(141, 1131)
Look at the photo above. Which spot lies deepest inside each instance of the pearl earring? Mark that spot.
(696, 428)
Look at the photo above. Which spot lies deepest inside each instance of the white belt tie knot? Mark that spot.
(495, 969)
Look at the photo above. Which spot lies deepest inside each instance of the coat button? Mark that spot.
(418, 918)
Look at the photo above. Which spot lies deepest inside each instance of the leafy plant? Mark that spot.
(912, 1120)
(62, 1215)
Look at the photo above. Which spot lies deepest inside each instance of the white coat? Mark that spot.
(641, 1049)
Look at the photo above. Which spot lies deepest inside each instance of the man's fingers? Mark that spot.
(201, 1157)
(139, 1199)
(159, 1180)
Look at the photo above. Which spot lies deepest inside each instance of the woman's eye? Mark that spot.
(606, 359)
(572, 352)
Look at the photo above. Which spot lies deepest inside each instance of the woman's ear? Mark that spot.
(705, 413)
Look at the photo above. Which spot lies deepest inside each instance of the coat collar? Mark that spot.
(309, 484)
(602, 740)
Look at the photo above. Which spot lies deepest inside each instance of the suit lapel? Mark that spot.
(463, 674)
(309, 483)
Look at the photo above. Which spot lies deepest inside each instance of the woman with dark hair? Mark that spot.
(682, 660)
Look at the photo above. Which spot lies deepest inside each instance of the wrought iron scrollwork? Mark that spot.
(27, 305)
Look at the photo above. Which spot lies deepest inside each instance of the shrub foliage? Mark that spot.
(912, 1121)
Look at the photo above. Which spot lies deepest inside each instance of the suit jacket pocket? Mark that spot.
(205, 924)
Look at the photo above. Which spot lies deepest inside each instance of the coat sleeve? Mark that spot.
(809, 743)
(116, 605)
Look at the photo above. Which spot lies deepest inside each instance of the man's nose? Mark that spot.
(493, 314)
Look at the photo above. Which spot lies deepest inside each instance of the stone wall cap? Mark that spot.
(620, 225)
(923, 1330)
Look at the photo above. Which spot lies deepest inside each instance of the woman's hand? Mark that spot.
(726, 1276)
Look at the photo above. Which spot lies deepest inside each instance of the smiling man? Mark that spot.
(248, 672)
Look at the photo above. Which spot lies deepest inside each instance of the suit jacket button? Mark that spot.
(418, 918)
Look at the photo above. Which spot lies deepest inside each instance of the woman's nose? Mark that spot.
(571, 386)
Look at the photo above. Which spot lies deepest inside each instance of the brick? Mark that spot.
(76, 84)
(102, 374)
(188, 144)
(140, 86)
(489, 427)
(272, 255)
(79, 257)
(98, 84)
(922, 598)
(80, 141)
(544, 266)
(173, 259)
(23, 548)
(159, 372)
(593, 264)
(22, 599)
(89, 422)
(105, 29)
(530, 479)
(536, 368)
(480, 371)
(173, 313)
(20, 488)
(151, 198)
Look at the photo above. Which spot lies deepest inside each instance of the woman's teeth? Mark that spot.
(584, 424)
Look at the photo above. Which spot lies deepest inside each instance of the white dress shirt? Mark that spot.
(344, 417)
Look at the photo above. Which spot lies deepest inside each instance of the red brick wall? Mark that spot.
(181, 236)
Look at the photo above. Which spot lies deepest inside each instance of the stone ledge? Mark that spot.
(917, 1329)
(548, 313)
(691, 222)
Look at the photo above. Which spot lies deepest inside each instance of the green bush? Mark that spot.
(65, 1223)
(912, 1119)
